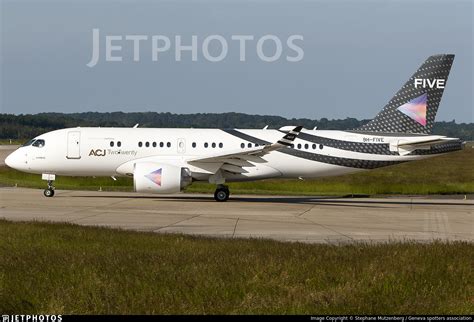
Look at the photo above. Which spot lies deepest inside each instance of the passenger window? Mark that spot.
(140, 144)
(292, 146)
(112, 144)
(162, 144)
(306, 146)
(321, 146)
(39, 143)
(154, 144)
(299, 146)
(119, 144)
(147, 144)
(194, 144)
(168, 145)
(242, 145)
(256, 144)
(314, 146)
(206, 145)
(213, 145)
(249, 145)
(221, 145)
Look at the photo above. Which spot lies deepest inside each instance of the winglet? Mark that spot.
(288, 139)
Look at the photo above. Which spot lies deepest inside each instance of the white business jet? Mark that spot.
(165, 161)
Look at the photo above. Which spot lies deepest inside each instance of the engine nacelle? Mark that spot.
(160, 178)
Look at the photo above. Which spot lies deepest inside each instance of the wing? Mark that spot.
(235, 161)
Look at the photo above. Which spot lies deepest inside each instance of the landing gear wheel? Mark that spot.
(48, 192)
(221, 194)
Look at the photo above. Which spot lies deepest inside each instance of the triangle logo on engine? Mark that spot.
(155, 177)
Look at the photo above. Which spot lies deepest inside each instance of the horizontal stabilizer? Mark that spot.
(405, 147)
(426, 142)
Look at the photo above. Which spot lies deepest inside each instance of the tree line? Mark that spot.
(25, 126)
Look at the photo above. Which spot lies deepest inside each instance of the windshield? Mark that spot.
(39, 143)
(29, 142)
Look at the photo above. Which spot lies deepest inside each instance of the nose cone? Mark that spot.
(8, 160)
(14, 160)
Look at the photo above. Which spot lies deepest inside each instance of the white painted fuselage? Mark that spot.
(315, 153)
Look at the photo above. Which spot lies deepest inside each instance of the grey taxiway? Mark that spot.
(304, 219)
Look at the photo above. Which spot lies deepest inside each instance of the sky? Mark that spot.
(357, 54)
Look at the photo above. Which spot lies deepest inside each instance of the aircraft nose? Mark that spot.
(13, 160)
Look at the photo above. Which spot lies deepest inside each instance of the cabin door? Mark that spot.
(73, 145)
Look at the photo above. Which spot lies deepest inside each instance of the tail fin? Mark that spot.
(413, 109)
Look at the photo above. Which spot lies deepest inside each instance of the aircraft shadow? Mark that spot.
(341, 201)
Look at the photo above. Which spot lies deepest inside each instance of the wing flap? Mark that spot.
(233, 168)
(239, 162)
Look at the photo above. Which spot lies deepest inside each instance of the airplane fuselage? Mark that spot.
(315, 153)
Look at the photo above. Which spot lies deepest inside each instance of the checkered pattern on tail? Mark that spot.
(398, 120)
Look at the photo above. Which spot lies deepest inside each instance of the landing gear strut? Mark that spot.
(49, 192)
(222, 193)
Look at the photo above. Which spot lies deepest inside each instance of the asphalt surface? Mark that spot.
(305, 219)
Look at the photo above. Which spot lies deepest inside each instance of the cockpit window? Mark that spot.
(39, 143)
(29, 142)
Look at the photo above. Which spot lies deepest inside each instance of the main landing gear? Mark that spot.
(222, 193)
(49, 192)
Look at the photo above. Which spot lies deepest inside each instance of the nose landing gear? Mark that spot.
(49, 192)
(222, 193)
